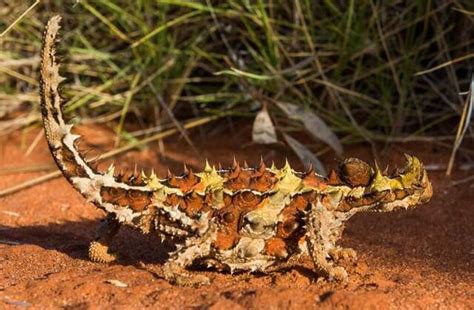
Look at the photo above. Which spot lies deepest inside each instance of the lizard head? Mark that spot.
(374, 190)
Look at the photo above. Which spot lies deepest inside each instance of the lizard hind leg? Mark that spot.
(99, 249)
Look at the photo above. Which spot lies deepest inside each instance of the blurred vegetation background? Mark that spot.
(373, 71)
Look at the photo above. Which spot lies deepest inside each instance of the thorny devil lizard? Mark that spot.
(238, 218)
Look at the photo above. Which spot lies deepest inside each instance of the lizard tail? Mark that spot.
(61, 141)
(112, 193)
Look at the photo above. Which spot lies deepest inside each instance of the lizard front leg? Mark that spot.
(99, 249)
(323, 229)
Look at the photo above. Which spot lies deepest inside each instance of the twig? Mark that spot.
(445, 64)
(463, 181)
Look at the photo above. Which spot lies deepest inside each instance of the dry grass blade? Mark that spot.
(445, 64)
(305, 155)
(463, 125)
(19, 18)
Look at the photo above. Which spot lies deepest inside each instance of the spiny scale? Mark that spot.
(239, 218)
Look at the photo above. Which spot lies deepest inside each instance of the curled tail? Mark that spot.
(61, 141)
(114, 194)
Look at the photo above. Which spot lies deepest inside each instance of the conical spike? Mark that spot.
(287, 165)
(235, 163)
(219, 166)
(135, 170)
(378, 173)
(236, 167)
(261, 166)
(111, 170)
(310, 169)
(207, 167)
(169, 175)
(273, 166)
(136, 179)
(246, 166)
(122, 176)
(185, 169)
(377, 167)
(333, 178)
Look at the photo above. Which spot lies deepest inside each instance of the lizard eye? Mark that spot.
(355, 172)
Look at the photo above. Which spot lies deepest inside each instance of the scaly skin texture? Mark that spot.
(238, 218)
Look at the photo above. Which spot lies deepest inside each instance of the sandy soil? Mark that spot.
(422, 258)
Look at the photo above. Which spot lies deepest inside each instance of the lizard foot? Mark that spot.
(99, 253)
(343, 254)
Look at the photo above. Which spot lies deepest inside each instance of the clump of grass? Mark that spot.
(159, 63)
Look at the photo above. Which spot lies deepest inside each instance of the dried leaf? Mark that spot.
(315, 126)
(263, 130)
(117, 283)
(305, 155)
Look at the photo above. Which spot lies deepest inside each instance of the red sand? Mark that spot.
(423, 258)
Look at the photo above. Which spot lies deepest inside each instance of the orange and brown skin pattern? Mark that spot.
(239, 218)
